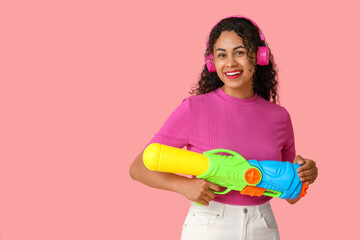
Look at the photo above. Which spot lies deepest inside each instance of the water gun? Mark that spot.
(253, 178)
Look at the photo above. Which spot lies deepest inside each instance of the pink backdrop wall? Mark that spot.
(85, 85)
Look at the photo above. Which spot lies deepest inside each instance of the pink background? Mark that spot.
(86, 84)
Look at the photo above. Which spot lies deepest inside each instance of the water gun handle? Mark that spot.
(215, 152)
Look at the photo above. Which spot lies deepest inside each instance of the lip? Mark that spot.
(234, 76)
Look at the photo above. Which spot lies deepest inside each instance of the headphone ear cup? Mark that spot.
(209, 61)
(263, 56)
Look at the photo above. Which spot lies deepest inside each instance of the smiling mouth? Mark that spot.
(233, 74)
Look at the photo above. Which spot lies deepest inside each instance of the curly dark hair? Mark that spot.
(265, 77)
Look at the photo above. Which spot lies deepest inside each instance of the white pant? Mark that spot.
(220, 221)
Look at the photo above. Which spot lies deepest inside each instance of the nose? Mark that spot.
(231, 61)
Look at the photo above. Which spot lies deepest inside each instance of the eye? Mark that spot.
(240, 53)
(221, 55)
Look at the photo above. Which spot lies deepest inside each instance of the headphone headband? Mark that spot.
(262, 36)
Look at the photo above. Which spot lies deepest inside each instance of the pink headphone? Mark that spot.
(262, 53)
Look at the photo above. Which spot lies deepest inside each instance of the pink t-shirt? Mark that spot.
(253, 127)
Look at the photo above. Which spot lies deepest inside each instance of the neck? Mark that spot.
(239, 93)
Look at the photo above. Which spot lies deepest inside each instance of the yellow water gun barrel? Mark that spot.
(163, 158)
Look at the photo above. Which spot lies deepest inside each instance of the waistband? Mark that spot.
(222, 209)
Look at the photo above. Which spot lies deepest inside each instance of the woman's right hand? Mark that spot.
(198, 190)
(194, 189)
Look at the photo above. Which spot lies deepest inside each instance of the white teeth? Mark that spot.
(233, 73)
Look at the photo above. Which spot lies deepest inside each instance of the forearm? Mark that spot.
(160, 180)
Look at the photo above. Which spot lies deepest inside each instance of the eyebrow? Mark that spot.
(221, 49)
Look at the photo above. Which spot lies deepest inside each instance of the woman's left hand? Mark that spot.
(308, 171)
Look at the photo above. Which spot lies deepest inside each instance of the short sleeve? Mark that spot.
(288, 152)
(174, 131)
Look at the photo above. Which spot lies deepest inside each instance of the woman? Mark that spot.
(234, 107)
